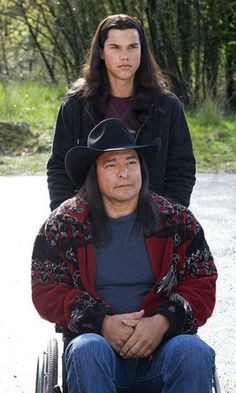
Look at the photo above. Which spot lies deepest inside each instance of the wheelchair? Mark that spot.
(47, 375)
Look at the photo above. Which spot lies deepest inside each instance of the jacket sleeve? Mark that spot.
(197, 279)
(189, 286)
(59, 185)
(57, 291)
(180, 165)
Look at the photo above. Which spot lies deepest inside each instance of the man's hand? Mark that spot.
(116, 332)
(147, 335)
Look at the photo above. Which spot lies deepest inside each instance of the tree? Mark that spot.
(193, 41)
(229, 16)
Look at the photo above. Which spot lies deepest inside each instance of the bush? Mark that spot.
(210, 112)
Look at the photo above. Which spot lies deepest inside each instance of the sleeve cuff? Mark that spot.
(175, 313)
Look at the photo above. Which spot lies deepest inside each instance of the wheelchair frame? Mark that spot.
(47, 371)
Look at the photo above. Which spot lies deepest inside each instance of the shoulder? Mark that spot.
(69, 220)
(71, 108)
(168, 111)
(76, 207)
(173, 215)
(169, 102)
(72, 101)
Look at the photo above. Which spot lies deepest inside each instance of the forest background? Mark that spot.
(43, 45)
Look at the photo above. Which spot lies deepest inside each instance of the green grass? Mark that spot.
(214, 138)
(23, 164)
(37, 104)
(31, 102)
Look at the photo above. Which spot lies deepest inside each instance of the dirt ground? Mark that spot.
(24, 202)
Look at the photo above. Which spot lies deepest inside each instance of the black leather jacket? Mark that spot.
(173, 173)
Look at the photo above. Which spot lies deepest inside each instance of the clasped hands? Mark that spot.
(132, 335)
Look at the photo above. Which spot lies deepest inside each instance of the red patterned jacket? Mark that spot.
(63, 270)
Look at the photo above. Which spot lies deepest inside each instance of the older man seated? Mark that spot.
(128, 272)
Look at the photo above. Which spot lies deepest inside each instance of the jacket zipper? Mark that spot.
(142, 126)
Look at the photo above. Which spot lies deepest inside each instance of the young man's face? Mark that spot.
(122, 53)
(119, 177)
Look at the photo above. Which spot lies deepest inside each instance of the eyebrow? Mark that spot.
(116, 44)
(130, 157)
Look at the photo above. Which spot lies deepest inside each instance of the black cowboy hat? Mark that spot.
(109, 135)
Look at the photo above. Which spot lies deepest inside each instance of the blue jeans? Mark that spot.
(183, 364)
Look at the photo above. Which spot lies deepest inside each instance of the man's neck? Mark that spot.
(121, 88)
(116, 209)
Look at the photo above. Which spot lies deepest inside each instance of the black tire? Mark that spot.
(47, 368)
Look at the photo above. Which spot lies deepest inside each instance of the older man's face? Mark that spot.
(119, 176)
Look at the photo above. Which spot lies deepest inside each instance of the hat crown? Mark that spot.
(110, 134)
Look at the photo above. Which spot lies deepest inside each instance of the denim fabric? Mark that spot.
(183, 364)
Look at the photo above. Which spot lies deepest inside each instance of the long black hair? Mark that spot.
(98, 216)
(93, 82)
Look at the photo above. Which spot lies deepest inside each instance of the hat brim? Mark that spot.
(79, 159)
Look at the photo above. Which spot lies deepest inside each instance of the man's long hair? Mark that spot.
(93, 83)
(98, 216)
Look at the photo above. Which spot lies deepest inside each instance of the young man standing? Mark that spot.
(121, 79)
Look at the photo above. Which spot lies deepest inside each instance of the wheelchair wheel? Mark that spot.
(216, 383)
(47, 369)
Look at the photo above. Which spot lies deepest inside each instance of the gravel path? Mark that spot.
(24, 202)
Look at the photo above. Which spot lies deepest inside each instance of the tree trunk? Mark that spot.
(197, 51)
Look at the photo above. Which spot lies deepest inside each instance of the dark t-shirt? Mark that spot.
(120, 108)
(123, 270)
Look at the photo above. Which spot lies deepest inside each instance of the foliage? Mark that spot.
(194, 41)
(210, 112)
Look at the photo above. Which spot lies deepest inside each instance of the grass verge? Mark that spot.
(214, 138)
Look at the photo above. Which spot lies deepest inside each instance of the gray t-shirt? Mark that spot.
(123, 270)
